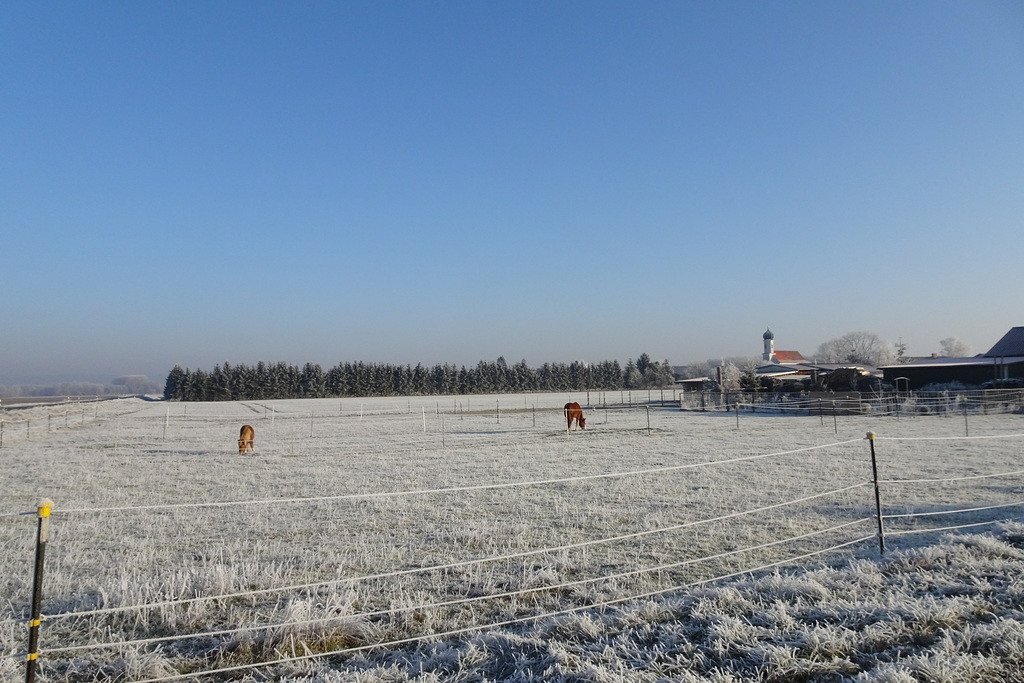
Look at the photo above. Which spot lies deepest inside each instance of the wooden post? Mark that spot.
(648, 420)
(737, 416)
(835, 420)
(44, 508)
(878, 499)
(967, 431)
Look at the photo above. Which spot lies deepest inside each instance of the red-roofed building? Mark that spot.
(790, 367)
(787, 357)
(773, 356)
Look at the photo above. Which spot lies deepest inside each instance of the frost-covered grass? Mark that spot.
(131, 453)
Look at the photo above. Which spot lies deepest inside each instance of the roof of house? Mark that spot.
(789, 357)
(806, 368)
(1009, 349)
(944, 361)
(1012, 344)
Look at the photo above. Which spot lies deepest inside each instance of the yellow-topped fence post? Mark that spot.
(44, 508)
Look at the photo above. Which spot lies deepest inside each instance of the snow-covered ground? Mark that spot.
(362, 522)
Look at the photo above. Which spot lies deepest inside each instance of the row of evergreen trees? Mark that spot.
(280, 381)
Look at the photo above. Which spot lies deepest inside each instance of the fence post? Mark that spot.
(648, 420)
(43, 509)
(878, 498)
(835, 420)
(737, 415)
(967, 431)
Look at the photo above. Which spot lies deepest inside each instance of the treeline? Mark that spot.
(127, 384)
(281, 381)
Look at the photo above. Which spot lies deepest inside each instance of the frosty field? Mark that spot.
(501, 547)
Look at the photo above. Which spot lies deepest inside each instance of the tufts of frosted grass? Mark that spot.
(136, 558)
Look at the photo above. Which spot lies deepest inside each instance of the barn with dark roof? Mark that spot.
(1003, 365)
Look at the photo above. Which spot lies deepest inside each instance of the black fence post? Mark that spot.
(878, 498)
(44, 508)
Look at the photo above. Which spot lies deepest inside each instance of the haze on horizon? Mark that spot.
(416, 183)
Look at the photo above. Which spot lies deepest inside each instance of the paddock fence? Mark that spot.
(892, 404)
(177, 632)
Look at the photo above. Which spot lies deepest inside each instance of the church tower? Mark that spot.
(769, 346)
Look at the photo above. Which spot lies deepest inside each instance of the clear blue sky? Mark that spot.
(403, 182)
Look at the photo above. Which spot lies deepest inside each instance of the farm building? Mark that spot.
(1002, 365)
(770, 355)
(790, 367)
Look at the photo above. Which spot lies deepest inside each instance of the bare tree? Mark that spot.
(954, 348)
(862, 348)
(709, 368)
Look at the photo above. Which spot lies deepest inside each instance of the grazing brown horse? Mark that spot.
(573, 411)
(245, 438)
